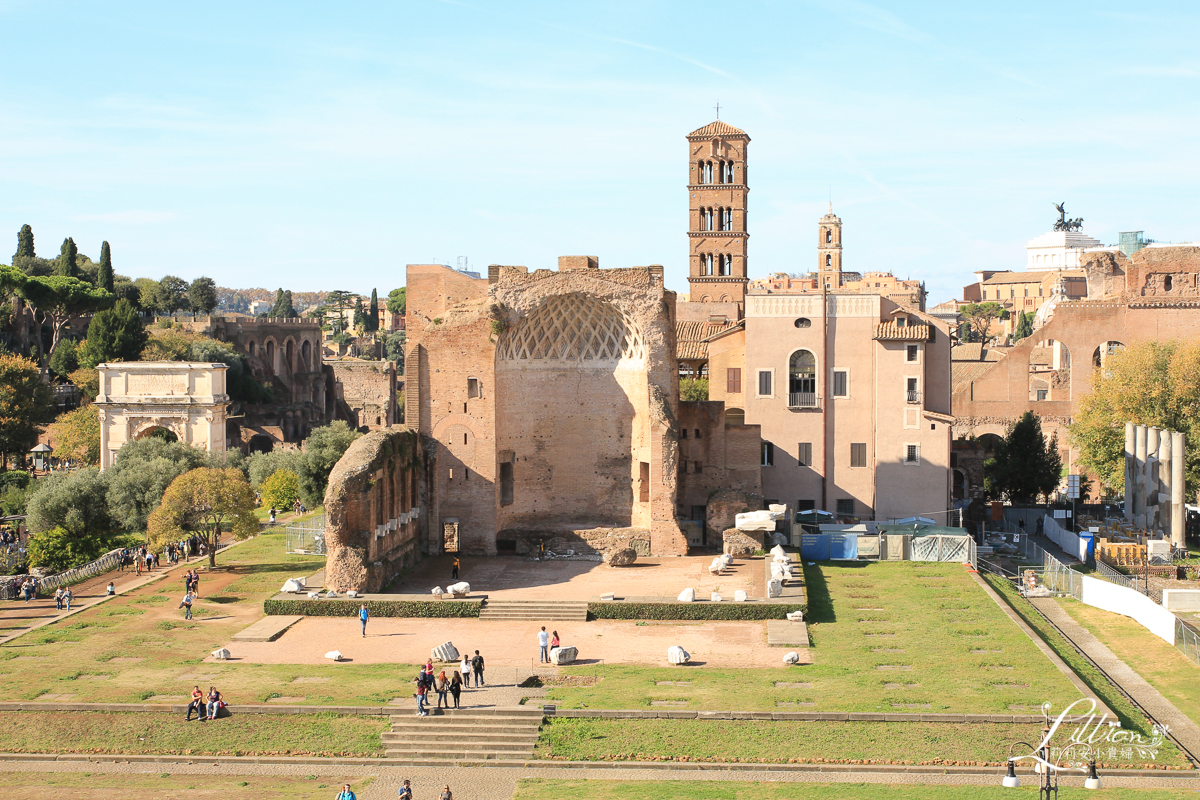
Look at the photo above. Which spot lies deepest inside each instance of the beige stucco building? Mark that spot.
(140, 397)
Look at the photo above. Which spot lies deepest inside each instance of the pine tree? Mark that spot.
(66, 259)
(373, 312)
(359, 316)
(24, 243)
(104, 278)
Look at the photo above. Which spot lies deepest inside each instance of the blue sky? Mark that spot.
(322, 146)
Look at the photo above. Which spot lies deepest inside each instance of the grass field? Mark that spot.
(1163, 667)
(541, 789)
(904, 636)
(101, 786)
(167, 734)
(137, 646)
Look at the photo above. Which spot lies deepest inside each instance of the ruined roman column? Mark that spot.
(1163, 470)
(1139, 468)
(1130, 436)
(1178, 510)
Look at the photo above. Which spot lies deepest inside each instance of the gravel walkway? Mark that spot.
(1133, 684)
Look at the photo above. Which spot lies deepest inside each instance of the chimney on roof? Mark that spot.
(566, 263)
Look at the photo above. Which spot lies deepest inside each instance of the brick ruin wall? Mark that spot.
(373, 508)
(368, 389)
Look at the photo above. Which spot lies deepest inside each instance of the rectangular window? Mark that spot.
(697, 433)
(1043, 394)
(912, 454)
(806, 505)
(858, 454)
(845, 506)
(506, 483)
(696, 467)
(804, 454)
(840, 383)
(912, 352)
(683, 433)
(472, 387)
(764, 382)
(768, 454)
(644, 482)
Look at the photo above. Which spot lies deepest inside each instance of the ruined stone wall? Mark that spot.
(368, 388)
(373, 512)
(715, 456)
(1164, 272)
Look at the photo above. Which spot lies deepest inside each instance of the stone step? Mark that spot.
(453, 755)
(549, 610)
(480, 716)
(459, 742)
(422, 725)
(476, 734)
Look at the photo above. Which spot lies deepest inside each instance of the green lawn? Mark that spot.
(86, 657)
(1163, 667)
(579, 789)
(904, 637)
(102, 786)
(167, 734)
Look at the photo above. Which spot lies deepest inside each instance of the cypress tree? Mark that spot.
(104, 278)
(277, 306)
(66, 258)
(359, 317)
(289, 309)
(24, 243)
(373, 313)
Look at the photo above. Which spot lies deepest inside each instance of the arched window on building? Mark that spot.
(728, 219)
(828, 235)
(708, 264)
(802, 380)
(729, 172)
(720, 219)
(708, 172)
(829, 259)
(726, 265)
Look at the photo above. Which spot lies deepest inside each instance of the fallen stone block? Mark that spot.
(608, 598)
(291, 585)
(439, 591)
(755, 521)
(459, 589)
(220, 655)
(677, 655)
(726, 559)
(335, 655)
(444, 653)
(314, 595)
(352, 593)
(791, 658)
(687, 595)
(778, 554)
(622, 557)
(795, 616)
(774, 588)
(563, 655)
(714, 597)
(739, 596)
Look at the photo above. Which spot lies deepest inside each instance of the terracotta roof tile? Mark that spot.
(717, 128)
(891, 332)
(691, 338)
(1032, 276)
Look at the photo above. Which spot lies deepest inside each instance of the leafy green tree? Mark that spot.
(65, 359)
(14, 499)
(203, 502)
(966, 333)
(76, 501)
(980, 316)
(24, 243)
(66, 266)
(150, 296)
(127, 290)
(1024, 465)
(1024, 326)
(373, 312)
(115, 334)
(240, 383)
(693, 389)
(339, 300)
(57, 300)
(277, 306)
(281, 490)
(173, 294)
(393, 349)
(202, 295)
(261, 466)
(25, 403)
(143, 470)
(360, 319)
(78, 435)
(104, 278)
(322, 450)
(397, 298)
(1154, 383)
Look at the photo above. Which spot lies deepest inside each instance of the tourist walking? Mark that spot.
(68, 596)
(465, 668)
(58, 597)
(442, 685)
(362, 617)
(543, 646)
(447, 794)
(477, 668)
(405, 791)
(272, 515)
(196, 705)
(454, 572)
(456, 687)
(345, 793)
(186, 605)
(422, 692)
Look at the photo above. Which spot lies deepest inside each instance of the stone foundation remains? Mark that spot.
(373, 511)
(740, 544)
(584, 541)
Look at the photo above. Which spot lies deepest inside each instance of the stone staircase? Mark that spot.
(468, 734)
(535, 610)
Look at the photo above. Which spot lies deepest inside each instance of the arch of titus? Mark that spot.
(139, 397)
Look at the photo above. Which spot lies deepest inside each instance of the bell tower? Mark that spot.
(717, 235)
(829, 251)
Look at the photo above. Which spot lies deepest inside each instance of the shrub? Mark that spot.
(280, 490)
(694, 611)
(58, 549)
(444, 609)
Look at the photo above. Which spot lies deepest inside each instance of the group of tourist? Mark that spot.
(441, 684)
(405, 792)
(205, 708)
(63, 598)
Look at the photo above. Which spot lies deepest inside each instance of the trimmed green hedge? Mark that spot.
(375, 608)
(694, 611)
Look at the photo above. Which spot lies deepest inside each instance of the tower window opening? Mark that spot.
(829, 259)
(729, 172)
(728, 219)
(828, 236)
(1168, 282)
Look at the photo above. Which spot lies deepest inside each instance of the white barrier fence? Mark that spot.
(1068, 541)
(1123, 600)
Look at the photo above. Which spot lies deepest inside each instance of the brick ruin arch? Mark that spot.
(306, 355)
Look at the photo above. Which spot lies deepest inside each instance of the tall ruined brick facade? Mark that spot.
(549, 403)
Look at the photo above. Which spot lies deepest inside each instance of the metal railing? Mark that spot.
(1187, 640)
(913, 397)
(306, 536)
(104, 563)
(803, 400)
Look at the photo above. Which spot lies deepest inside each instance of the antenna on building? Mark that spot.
(462, 263)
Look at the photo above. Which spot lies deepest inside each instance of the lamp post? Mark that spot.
(1048, 785)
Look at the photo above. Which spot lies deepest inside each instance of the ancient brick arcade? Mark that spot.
(548, 401)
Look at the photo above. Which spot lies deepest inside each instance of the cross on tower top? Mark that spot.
(718, 109)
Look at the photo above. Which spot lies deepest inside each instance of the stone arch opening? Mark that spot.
(269, 346)
(962, 485)
(306, 355)
(735, 416)
(251, 347)
(1049, 371)
(576, 462)
(802, 379)
(260, 443)
(1101, 354)
(158, 432)
(289, 356)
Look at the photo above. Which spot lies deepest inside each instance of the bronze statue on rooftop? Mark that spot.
(1065, 224)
